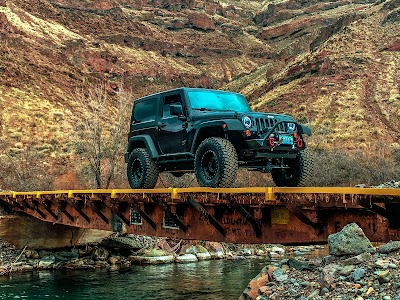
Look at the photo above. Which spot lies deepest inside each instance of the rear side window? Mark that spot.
(145, 110)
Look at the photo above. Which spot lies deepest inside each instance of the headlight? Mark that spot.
(291, 126)
(247, 122)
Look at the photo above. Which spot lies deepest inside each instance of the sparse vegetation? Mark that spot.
(99, 137)
(339, 167)
(25, 168)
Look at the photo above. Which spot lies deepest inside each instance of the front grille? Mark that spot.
(265, 124)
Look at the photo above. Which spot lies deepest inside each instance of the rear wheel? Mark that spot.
(141, 170)
(299, 173)
(216, 163)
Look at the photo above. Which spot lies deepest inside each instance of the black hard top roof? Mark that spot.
(182, 89)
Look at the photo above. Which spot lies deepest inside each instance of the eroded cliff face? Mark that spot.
(284, 55)
(346, 87)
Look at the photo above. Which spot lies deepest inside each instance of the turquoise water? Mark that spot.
(207, 280)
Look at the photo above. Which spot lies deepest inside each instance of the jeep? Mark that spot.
(212, 133)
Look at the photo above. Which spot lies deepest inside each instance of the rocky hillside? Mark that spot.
(346, 86)
(331, 63)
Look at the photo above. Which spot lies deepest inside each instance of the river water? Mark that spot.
(206, 280)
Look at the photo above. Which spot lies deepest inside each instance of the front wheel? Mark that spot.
(216, 163)
(298, 173)
(141, 170)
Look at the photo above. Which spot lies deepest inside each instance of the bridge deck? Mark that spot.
(240, 215)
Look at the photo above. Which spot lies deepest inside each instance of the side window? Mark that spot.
(145, 110)
(168, 100)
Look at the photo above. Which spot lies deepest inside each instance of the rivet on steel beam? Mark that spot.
(270, 195)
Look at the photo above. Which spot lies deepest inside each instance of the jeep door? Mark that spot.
(172, 134)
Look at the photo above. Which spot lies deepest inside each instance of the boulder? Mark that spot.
(100, 254)
(300, 265)
(82, 263)
(252, 291)
(33, 254)
(201, 21)
(351, 240)
(46, 262)
(152, 256)
(203, 256)
(389, 247)
(217, 254)
(358, 259)
(327, 277)
(186, 258)
(279, 275)
(151, 260)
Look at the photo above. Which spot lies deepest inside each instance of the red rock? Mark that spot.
(289, 28)
(105, 5)
(178, 24)
(213, 246)
(270, 271)
(201, 21)
(262, 281)
(263, 289)
(395, 47)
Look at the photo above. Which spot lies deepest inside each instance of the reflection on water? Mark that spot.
(209, 280)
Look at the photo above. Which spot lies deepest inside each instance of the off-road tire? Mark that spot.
(216, 163)
(300, 173)
(141, 170)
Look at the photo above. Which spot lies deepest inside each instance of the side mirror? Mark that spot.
(176, 109)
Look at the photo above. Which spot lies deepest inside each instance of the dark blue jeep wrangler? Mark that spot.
(212, 133)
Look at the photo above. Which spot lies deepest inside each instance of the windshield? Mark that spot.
(215, 100)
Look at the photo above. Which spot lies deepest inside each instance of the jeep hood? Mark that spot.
(217, 115)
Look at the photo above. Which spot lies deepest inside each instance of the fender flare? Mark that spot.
(231, 125)
(305, 129)
(142, 139)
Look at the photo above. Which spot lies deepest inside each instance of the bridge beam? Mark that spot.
(205, 214)
(172, 215)
(78, 209)
(249, 217)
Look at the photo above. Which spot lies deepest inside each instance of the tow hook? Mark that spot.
(299, 142)
(271, 142)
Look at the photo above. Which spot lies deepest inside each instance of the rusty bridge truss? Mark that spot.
(238, 215)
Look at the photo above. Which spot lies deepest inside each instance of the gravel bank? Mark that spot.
(356, 271)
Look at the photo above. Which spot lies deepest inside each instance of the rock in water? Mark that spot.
(351, 240)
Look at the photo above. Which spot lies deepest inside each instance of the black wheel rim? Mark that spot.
(209, 164)
(137, 170)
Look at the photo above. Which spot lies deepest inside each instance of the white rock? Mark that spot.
(278, 249)
(203, 256)
(185, 258)
(152, 259)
